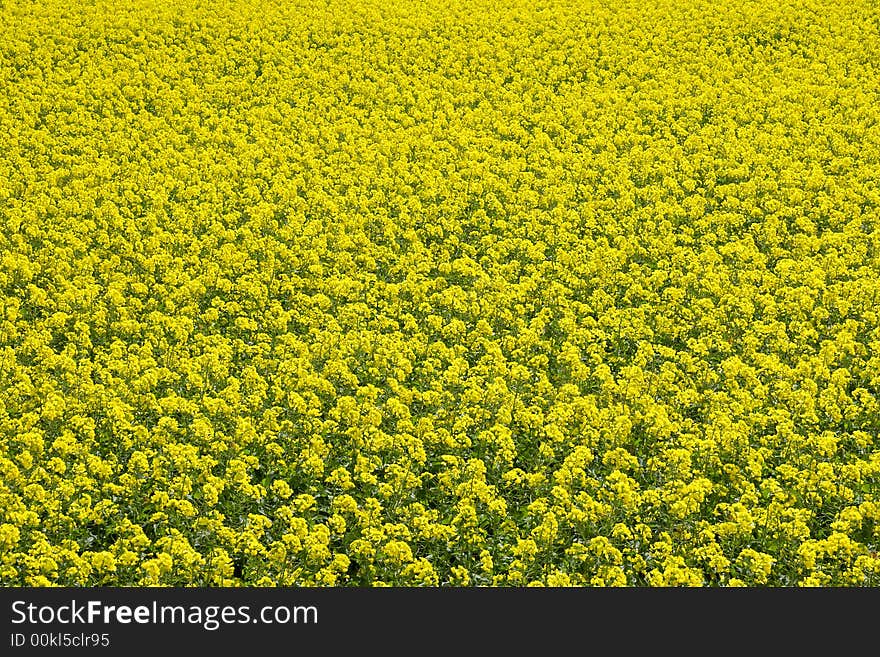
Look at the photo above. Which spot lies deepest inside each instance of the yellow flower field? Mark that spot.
(556, 292)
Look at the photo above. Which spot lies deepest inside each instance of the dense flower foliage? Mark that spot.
(462, 293)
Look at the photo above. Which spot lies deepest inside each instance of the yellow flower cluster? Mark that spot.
(435, 292)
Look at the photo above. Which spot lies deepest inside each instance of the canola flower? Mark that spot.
(515, 293)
